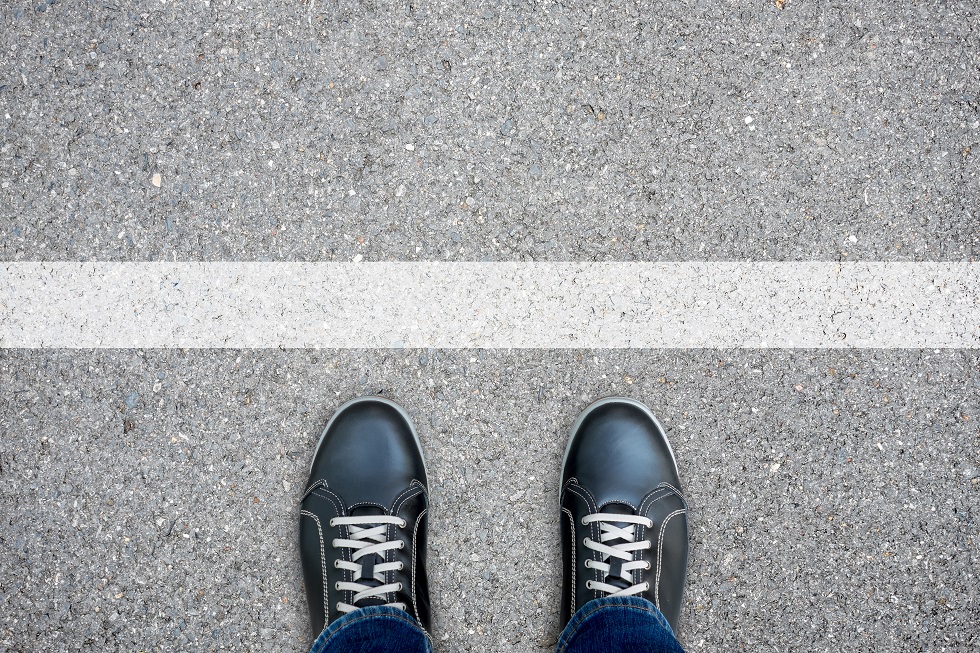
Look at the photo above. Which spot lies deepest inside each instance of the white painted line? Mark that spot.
(492, 305)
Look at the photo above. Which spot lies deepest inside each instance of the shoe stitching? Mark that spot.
(413, 486)
(415, 603)
(396, 505)
(346, 574)
(671, 491)
(581, 620)
(365, 504)
(571, 525)
(676, 492)
(594, 529)
(648, 501)
(415, 490)
(399, 501)
(583, 492)
(316, 484)
(344, 532)
(338, 504)
(624, 502)
(332, 497)
(568, 484)
(666, 484)
(660, 551)
(653, 497)
(324, 492)
(323, 569)
(389, 575)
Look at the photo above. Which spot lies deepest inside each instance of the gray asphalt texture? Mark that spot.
(328, 129)
(149, 498)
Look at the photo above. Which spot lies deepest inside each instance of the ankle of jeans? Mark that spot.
(367, 619)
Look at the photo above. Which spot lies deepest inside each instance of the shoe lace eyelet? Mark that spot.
(649, 566)
(588, 584)
(336, 586)
(401, 544)
(401, 565)
(588, 564)
(336, 564)
(400, 586)
(403, 524)
(332, 522)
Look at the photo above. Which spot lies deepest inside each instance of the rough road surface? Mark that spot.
(148, 498)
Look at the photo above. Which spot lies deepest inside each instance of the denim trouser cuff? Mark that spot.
(618, 624)
(606, 625)
(376, 629)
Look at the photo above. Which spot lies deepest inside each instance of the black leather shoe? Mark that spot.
(362, 527)
(623, 518)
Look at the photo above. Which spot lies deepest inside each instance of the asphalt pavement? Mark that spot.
(331, 129)
(149, 497)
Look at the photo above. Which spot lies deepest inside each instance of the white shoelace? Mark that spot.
(622, 552)
(367, 542)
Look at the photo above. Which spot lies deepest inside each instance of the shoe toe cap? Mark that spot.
(369, 452)
(620, 452)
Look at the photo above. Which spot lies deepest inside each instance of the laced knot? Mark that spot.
(617, 562)
(367, 539)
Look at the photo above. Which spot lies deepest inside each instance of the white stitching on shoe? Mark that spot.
(365, 504)
(415, 531)
(413, 490)
(656, 495)
(323, 569)
(338, 506)
(571, 524)
(666, 490)
(412, 487)
(660, 551)
(316, 484)
(583, 492)
(389, 554)
(332, 497)
(622, 501)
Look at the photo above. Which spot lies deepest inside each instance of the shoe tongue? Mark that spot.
(614, 577)
(367, 562)
(365, 511)
(618, 509)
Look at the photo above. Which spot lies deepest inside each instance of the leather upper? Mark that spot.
(368, 462)
(619, 461)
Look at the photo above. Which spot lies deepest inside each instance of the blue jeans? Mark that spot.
(608, 625)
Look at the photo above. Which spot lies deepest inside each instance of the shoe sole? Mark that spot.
(604, 402)
(376, 399)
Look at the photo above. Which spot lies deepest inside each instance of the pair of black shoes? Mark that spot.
(363, 516)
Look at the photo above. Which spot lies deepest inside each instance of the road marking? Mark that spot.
(490, 305)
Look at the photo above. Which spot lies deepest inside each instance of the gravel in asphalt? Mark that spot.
(148, 498)
(330, 130)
